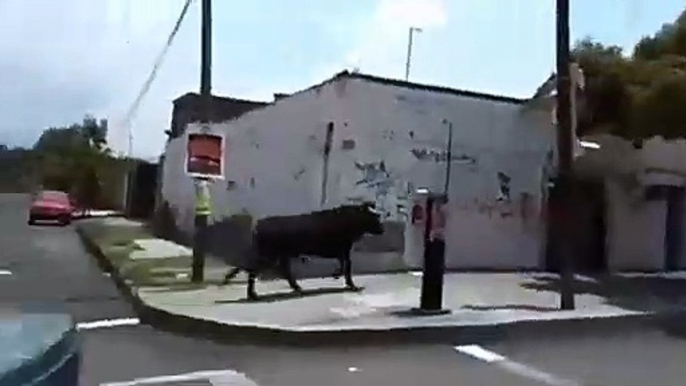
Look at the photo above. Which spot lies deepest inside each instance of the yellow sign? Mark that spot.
(202, 199)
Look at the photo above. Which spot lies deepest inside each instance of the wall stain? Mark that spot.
(298, 173)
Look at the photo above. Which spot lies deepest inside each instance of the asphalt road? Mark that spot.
(47, 265)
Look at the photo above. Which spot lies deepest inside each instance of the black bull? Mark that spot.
(327, 234)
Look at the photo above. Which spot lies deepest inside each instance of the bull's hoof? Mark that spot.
(253, 297)
(336, 276)
(354, 288)
(297, 290)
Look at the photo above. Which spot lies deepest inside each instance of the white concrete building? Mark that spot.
(387, 138)
(645, 201)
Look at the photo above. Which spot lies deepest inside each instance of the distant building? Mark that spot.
(187, 109)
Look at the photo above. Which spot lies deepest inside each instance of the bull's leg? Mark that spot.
(285, 263)
(348, 271)
(252, 294)
(256, 267)
(230, 275)
(339, 272)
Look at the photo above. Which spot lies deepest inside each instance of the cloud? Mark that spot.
(68, 58)
(382, 42)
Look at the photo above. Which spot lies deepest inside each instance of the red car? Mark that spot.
(51, 205)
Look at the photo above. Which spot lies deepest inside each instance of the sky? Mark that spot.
(67, 58)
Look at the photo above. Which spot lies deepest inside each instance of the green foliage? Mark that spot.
(637, 96)
(15, 169)
(74, 159)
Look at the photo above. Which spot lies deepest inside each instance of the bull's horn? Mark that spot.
(374, 210)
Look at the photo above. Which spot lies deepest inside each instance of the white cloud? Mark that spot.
(382, 40)
(71, 57)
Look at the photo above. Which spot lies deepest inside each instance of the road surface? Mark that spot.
(47, 265)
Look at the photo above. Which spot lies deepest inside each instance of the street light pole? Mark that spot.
(202, 188)
(564, 148)
(449, 157)
(409, 52)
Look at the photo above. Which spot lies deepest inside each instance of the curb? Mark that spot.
(465, 334)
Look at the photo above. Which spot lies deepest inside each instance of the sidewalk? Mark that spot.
(478, 301)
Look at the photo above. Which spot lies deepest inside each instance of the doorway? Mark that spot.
(587, 226)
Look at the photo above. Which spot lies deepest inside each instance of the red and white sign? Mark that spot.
(205, 156)
(438, 219)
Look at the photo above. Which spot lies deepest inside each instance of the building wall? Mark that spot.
(635, 231)
(636, 226)
(403, 129)
(387, 141)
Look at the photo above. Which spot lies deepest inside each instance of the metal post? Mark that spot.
(409, 52)
(202, 188)
(206, 59)
(409, 55)
(564, 148)
(449, 154)
(431, 301)
(200, 237)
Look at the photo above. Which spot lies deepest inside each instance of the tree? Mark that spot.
(637, 96)
(74, 159)
(15, 169)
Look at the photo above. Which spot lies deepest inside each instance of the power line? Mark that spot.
(153, 74)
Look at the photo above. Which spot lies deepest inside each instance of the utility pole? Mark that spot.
(202, 185)
(564, 148)
(409, 52)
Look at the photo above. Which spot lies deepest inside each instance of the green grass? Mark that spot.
(117, 244)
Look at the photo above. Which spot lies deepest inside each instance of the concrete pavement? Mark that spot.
(157, 275)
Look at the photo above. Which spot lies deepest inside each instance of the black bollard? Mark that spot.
(199, 249)
(431, 301)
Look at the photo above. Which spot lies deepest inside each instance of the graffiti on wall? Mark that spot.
(505, 203)
(442, 156)
(386, 189)
(390, 195)
(503, 188)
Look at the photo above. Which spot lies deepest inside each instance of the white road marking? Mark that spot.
(107, 323)
(5, 272)
(518, 369)
(216, 378)
(480, 353)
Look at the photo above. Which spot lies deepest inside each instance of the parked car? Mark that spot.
(51, 205)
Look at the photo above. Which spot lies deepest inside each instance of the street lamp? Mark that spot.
(449, 156)
(409, 52)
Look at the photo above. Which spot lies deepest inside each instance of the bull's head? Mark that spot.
(371, 219)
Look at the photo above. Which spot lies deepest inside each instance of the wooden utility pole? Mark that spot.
(202, 186)
(565, 140)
